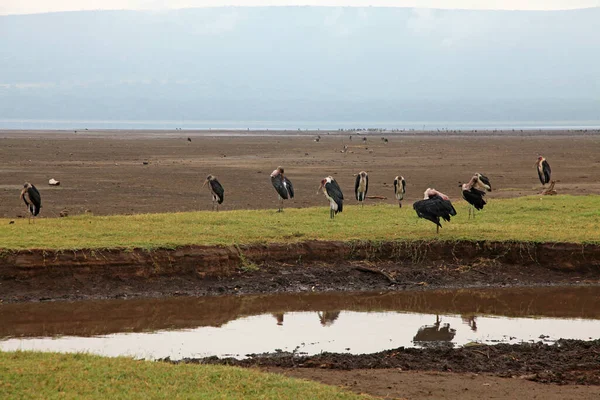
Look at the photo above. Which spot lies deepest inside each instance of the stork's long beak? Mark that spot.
(205, 182)
(319, 189)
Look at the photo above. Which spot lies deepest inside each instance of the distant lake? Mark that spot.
(294, 125)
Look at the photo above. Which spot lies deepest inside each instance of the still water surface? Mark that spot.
(309, 323)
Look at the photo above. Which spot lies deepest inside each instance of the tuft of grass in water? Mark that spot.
(33, 375)
(528, 219)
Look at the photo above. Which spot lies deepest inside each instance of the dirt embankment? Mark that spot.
(307, 266)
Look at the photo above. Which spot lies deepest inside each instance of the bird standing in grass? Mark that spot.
(334, 194)
(543, 170)
(31, 196)
(216, 190)
(399, 189)
(435, 205)
(283, 186)
(473, 196)
(361, 187)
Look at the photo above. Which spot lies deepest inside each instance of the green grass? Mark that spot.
(530, 219)
(32, 375)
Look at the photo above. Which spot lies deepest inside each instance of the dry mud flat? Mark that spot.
(104, 172)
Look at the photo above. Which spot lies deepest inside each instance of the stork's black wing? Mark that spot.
(486, 181)
(474, 197)
(288, 185)
(434, 208)
(366, 185)
(35, 198)
(337, 189)
(424, 210)
(403, 186)
(217, 189)
(356, 185)
(277, 182)
(547, 171)
(334, 191)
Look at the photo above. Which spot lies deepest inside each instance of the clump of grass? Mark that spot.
(246, 265)
(32, 375)
(528, 219)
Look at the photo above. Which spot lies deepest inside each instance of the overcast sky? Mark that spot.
(41, 6)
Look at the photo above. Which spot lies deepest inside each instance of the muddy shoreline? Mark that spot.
(313, 266)
(565, 362)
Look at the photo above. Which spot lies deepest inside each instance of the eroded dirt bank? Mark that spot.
(274, 268)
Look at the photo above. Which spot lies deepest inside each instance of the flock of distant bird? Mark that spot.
(435, 205)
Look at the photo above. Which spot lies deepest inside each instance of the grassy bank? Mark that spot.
(29, 375)
(540, 219)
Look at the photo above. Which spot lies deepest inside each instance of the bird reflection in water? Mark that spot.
(470, 320)
(327, 318)
(279, 318)
(437, 332)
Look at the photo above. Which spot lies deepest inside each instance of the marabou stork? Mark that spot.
(472, 195)
(433, 206)
(216, 190)
(543, 169)
(334, 194)
(399, 189)
(483, 182)
(32, 199)
(283, 186)
(361, 187)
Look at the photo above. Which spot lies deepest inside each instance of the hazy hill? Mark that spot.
(302, 63)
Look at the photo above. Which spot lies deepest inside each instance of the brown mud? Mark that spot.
(564, 362)
(395, 383)
(313, 266)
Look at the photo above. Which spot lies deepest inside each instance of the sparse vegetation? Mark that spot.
(529, 219)
(33, 375)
